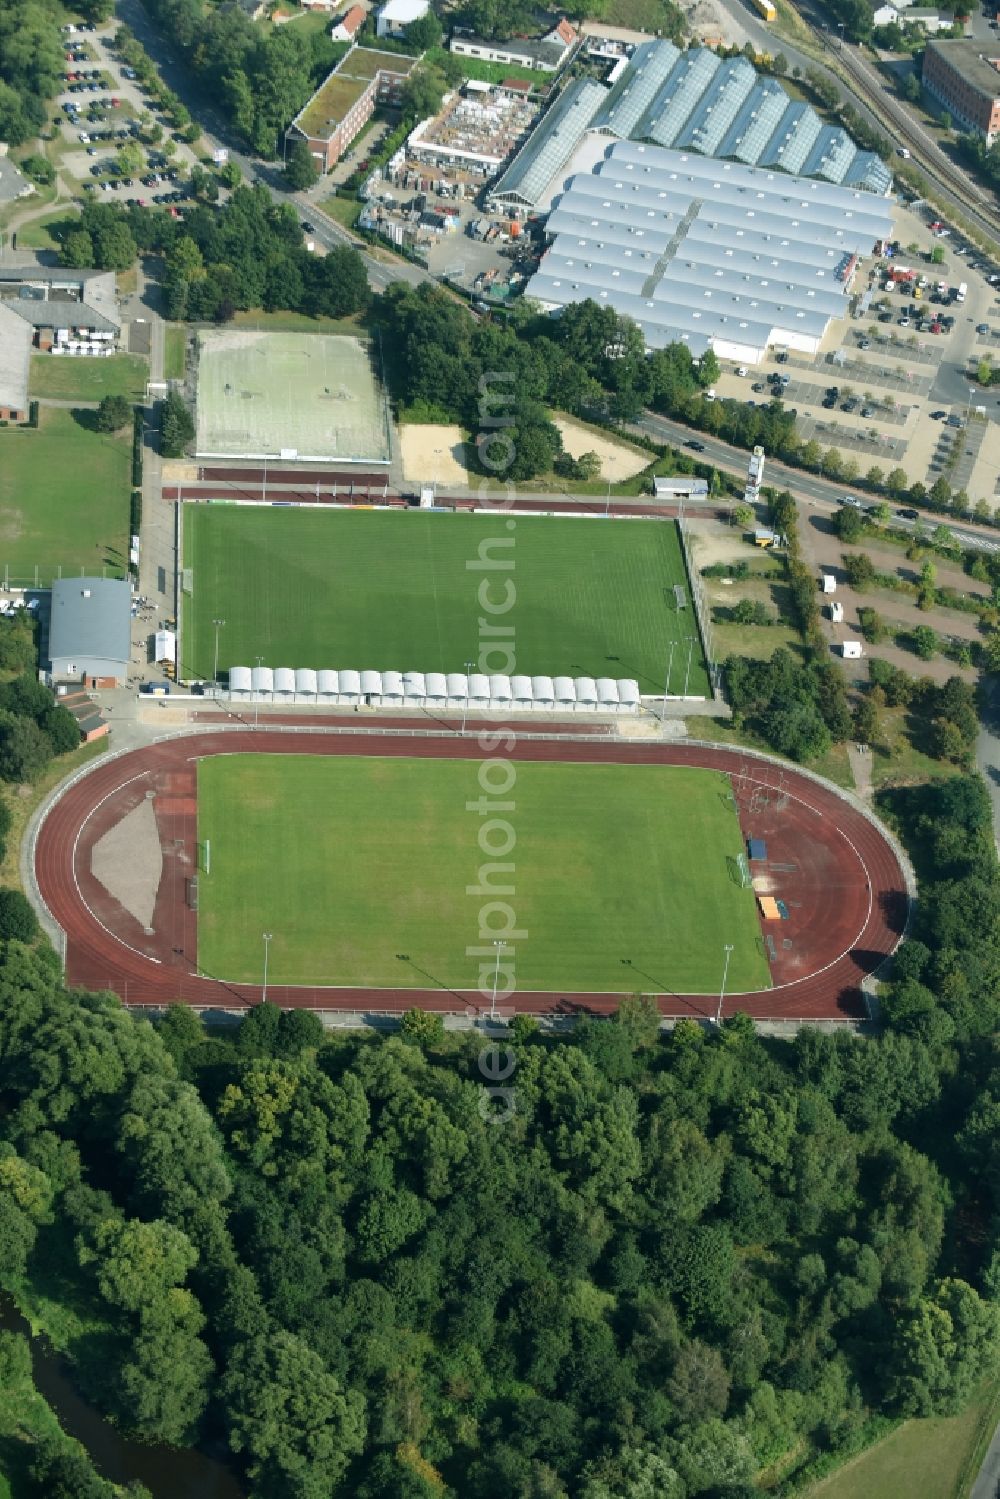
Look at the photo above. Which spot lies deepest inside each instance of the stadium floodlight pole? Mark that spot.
(267, 942)
(499, 945)
(666, 685)
(725, 974)
(256, 698)
(465, 705)
(607, 505)
(688, 671)
(218, 623)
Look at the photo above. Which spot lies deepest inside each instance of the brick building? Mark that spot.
(343, 104)
(965, 80)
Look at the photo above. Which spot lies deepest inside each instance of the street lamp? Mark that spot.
(218, 623)
(499, 945)
(722, 991)
(267, 941)
(688, 671)
(840, 28)
(607, 506)
(465, 705)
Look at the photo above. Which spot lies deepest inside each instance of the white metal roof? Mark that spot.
(699, 249)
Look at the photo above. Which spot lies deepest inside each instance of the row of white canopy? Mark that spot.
(433, 689)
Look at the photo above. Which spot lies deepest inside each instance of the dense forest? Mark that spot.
(659, 1265)
(31, 67)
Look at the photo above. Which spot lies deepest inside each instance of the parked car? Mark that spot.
(867, 411)
(982, 327)
(937, 416)
(865, 343)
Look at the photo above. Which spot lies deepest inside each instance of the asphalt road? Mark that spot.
(813, 489)
(987, 1484)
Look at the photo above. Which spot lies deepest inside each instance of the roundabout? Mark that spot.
(115, 859)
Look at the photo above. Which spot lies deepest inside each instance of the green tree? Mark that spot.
(113, 413)
(24, 749)
(76, 250)
(895, 482)
(290, 1416)
(709, 369)
(17, 917)
(177, 429)
(422, 1027)
(300, 168)
(742, 515)
(925, 642)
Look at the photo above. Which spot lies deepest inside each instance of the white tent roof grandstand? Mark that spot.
(498, 693)
(697, 101)
(708, 252)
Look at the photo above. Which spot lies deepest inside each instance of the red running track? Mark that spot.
(835, 869)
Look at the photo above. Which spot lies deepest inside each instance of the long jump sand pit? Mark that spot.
(433, 454)
(619, 460)
(306, 396)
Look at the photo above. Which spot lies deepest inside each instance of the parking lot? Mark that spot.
(890, 377)
(101, 110)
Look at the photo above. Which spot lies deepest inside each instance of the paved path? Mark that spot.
(987, 1484)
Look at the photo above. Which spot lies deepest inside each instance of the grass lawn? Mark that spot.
(344, 211)
(63, 379)
(937, 1458)
(401, 590)
(38, 234)
(174, 351)
(349, 862)
(497, 72)
(64, 495)
(900, 761)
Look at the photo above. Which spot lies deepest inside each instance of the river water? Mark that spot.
(167, 1472)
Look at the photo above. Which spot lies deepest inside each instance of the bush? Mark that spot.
(17, 919)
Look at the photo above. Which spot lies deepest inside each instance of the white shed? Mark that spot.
(479, 690)
(543, 693)
(524, 698)
(371, 688)
(829, 583)
(305, 684)
(239, 682)
(586, 694)
(392, 689)
(166, 647)
(607, 694)
(565, 691)
(350, 688)
(851, 650)
(458, 689)
(435, 689)
(262, 681)
(628, 695)
(328, 686)
(414, 689)
(284, 684)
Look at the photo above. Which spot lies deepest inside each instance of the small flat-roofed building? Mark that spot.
(396, 15)
(679, 486)
(15, 365)
(90, 631)
(545, 54)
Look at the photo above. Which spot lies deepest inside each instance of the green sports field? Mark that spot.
(64, 492)
(394, 590)
(621, 875)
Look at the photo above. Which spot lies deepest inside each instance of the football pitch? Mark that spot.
(401, 590)
(361, 869)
